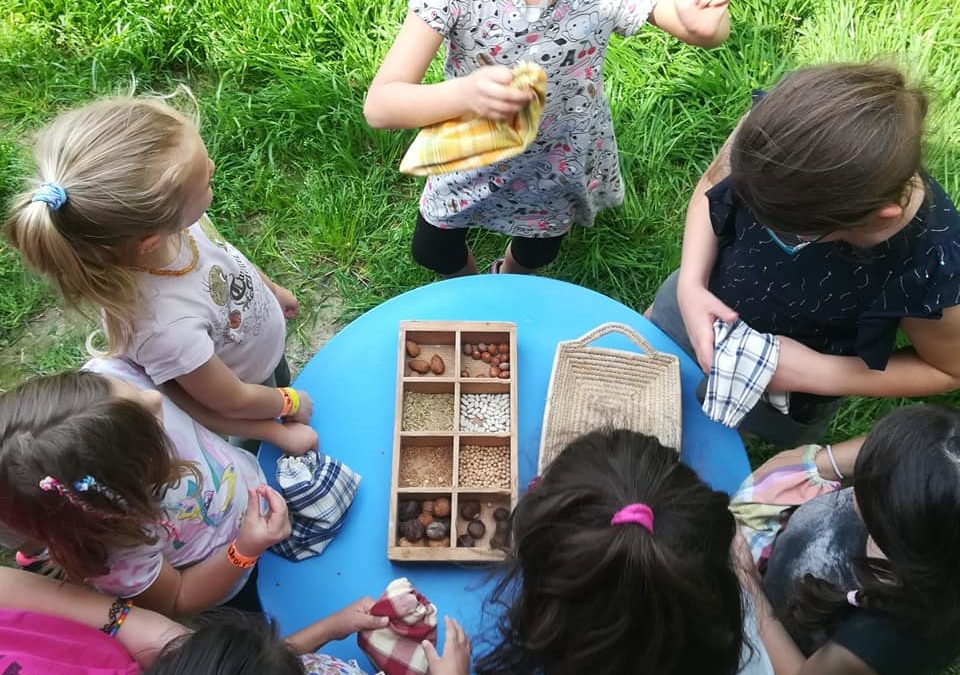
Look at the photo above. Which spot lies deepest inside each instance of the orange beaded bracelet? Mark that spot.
(237, 559)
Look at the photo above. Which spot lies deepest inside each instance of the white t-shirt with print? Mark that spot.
(222, 307)
(201, 518)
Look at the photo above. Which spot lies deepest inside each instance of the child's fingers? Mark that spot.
(276, 503)
(433, 659)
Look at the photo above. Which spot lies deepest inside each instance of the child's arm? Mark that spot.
(294, 438)
(204, 585)
(349, 620)
(288, 301)
(698, 306)
(215, 386)
(704, 23)
(398, 100)
(143, 635)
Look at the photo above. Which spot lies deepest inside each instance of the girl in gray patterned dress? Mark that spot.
(571, 170)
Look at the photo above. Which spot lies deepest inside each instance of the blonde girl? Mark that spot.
(116, 216)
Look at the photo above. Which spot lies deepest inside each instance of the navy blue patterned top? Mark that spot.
(833, 297)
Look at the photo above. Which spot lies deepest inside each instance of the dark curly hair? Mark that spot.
(582, 596)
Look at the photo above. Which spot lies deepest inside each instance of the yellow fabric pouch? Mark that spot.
(470, 143)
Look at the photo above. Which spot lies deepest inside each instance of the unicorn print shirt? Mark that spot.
(201, 517)
(571, 171)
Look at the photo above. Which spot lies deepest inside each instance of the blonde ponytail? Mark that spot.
(122, 167)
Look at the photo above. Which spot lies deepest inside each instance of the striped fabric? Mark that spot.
(318, 490)
(470, 143)
(396, 649)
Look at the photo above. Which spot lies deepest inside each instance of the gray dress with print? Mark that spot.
(571, 170)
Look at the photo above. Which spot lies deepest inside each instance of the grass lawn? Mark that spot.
(313, 195)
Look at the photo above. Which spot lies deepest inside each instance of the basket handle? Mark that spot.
(613, 327)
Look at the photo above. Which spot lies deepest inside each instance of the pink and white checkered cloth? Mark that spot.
(396, 649)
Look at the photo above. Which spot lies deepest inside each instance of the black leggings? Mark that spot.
(445, 251)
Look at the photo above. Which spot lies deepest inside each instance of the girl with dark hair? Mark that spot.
(621, 563)
(130, 494)
(863, 580)
(817, 223)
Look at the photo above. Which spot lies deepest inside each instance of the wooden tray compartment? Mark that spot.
(426, 462)
(460, 377)
(417, 407)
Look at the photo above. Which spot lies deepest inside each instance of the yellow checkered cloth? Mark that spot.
(469, 143)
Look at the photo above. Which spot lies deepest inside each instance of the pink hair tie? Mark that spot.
(641, 514)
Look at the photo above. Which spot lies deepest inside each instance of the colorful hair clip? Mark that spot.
(89, 483)
(51, 484)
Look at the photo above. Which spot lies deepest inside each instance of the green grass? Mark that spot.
(312, 194)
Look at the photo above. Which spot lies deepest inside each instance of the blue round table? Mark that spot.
(353, 382)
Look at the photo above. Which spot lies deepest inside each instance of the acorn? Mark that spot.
(441, 507)
(466, 541)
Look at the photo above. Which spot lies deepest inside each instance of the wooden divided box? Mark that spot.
(454, 476)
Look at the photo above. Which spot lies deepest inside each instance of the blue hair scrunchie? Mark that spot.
(52, 194)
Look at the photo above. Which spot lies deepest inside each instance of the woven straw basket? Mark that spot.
(593, 387)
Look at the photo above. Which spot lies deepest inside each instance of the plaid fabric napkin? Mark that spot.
(396, 649)
(744, 361)
(471, 142)
(318, 490)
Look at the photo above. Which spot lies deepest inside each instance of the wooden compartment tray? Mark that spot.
(453, 443)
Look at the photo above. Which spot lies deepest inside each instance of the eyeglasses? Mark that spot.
(791, 244)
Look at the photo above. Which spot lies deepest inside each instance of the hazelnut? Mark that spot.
(494, 360)
(413, 349)
(428, 506)
(494, 371)
(504, 374)
(441, 507)
(466, 541)
(501, 515)
(412, 530)
(437, 543)
(470, 510)
(476, 529)
(485, 357)
(493, 350)
(467, 349)
(425, 519)
(483, 347)
(504, 357)
(503, 348)
(475, 355)
(504, 365)
(408, 510)
(437, 530)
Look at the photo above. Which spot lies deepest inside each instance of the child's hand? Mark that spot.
(456, 652)
(701, 17)
(354, 618)
(288, 302)
(305, 412)
(699, 309)
(488, 92)
(260, 531)
(296, 438)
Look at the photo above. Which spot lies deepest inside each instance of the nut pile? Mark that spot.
(496, 355)
(427, 412)
(427, 466)
(423, 523)
(421, 366)
(485, 413)
(475, 529)
(484, 467)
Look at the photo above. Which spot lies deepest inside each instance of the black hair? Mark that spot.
(228, 642)
(907, 485)
(583, 596)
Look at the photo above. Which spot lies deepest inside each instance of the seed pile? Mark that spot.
(427, 466)
(484, 467)
(485, 413)
(496, 356)
(427, 412)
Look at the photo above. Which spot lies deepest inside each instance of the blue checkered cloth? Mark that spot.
(744, 361)
(319, 491)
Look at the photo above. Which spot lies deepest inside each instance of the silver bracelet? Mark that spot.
(833, 462)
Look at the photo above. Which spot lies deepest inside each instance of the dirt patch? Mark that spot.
(320, 320)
